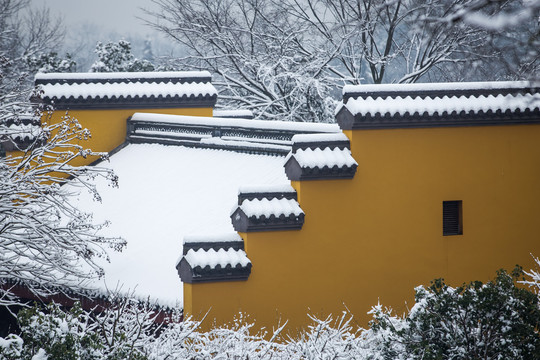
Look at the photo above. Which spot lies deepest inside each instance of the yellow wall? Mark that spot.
(108, 126)
(379, 235)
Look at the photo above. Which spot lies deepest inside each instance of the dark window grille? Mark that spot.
(452, 218)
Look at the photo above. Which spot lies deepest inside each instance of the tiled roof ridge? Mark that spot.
(440, 105)
(211, 265)
(218, 259)
(125, 90)
(400, 105)
(267, 211)
(322, 157)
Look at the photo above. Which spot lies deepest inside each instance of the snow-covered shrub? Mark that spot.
(495, 320)
(326, 339)
(11, 347)
(235, 341)
(118, 57)
(45, 241)
(50, 62)
(57, 334)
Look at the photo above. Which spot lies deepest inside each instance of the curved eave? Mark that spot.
(295, 172)
(200, 274)
(242, 223)
(136, 102)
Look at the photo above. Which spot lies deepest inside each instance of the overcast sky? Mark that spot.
(111, 15)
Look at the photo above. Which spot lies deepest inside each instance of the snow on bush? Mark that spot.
(495, 320)
(117, 57)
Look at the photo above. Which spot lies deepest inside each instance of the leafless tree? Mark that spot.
(255, 49)
(44, 241)
(285, 59)
(511, 31)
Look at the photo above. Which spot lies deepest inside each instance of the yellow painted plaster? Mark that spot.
(377, 236)
(108, 126)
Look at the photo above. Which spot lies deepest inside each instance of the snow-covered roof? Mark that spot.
(274, 207)
(19, 132)
(213, 258)
(493, 87)
(166, 196)
(234, 114)
(320, 156)
(258, 208)
(243, 135)
(439, 104)
(127, 90)
(228, 237)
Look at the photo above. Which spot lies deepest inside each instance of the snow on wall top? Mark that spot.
(440, 105)
(127, 90)
(61, 77)
(426, 87)
(311, 138)
(266, 207)
(213, 258)
(163, 196)
(320, 158)
(273, 188)
(216, 237)
(144, 89)
(239, 113)
(243, 123)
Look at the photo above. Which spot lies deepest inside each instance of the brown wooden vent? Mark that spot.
(452, 218)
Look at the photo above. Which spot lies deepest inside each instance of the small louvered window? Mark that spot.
(452, 218)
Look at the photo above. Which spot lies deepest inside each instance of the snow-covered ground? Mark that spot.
(166, 192)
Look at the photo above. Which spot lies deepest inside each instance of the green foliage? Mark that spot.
(495, 320)
(113, 57)
(50, 62)
(58, 334)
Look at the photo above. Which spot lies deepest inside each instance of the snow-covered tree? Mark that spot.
(495, 320)
(254, 48)
(114, 57)
(24, 34)
(286, 59)
(51, 62)
(511, 35)
(45, 242)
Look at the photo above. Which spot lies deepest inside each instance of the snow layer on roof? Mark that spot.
(400, 106)
(215, 237)
(245, 123)
(123, 75)
(310, 138)
(126, 89)
(164, 194)
(309, 158)
(493, 85)
(273, 188)
(21, 132)
(214, 258)
(239, 113)
(276, 207)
